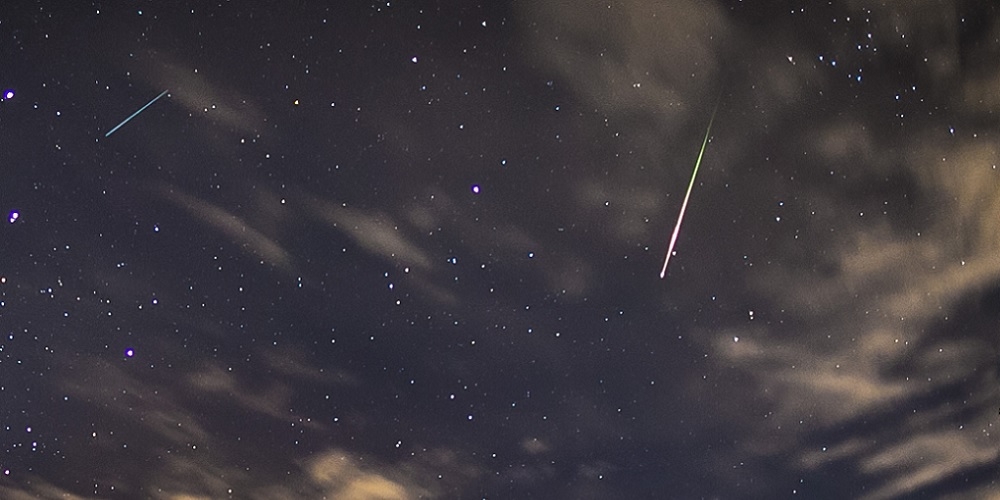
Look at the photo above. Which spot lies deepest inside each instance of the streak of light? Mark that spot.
(136, 113)
(680, 218)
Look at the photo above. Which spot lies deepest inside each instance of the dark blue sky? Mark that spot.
(413, 250)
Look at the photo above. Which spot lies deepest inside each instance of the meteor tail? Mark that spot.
(687, 196)
(148, 104)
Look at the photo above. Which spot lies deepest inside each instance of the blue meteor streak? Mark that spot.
(137, 112)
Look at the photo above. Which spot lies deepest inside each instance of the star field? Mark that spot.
(413, 250)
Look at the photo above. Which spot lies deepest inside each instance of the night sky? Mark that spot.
(412, 250)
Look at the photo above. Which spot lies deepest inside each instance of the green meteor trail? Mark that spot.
(136, 113)
(680, 218)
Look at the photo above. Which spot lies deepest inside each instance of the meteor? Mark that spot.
(680, 218)
(136, 113)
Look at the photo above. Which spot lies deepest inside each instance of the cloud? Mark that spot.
(242, 233)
